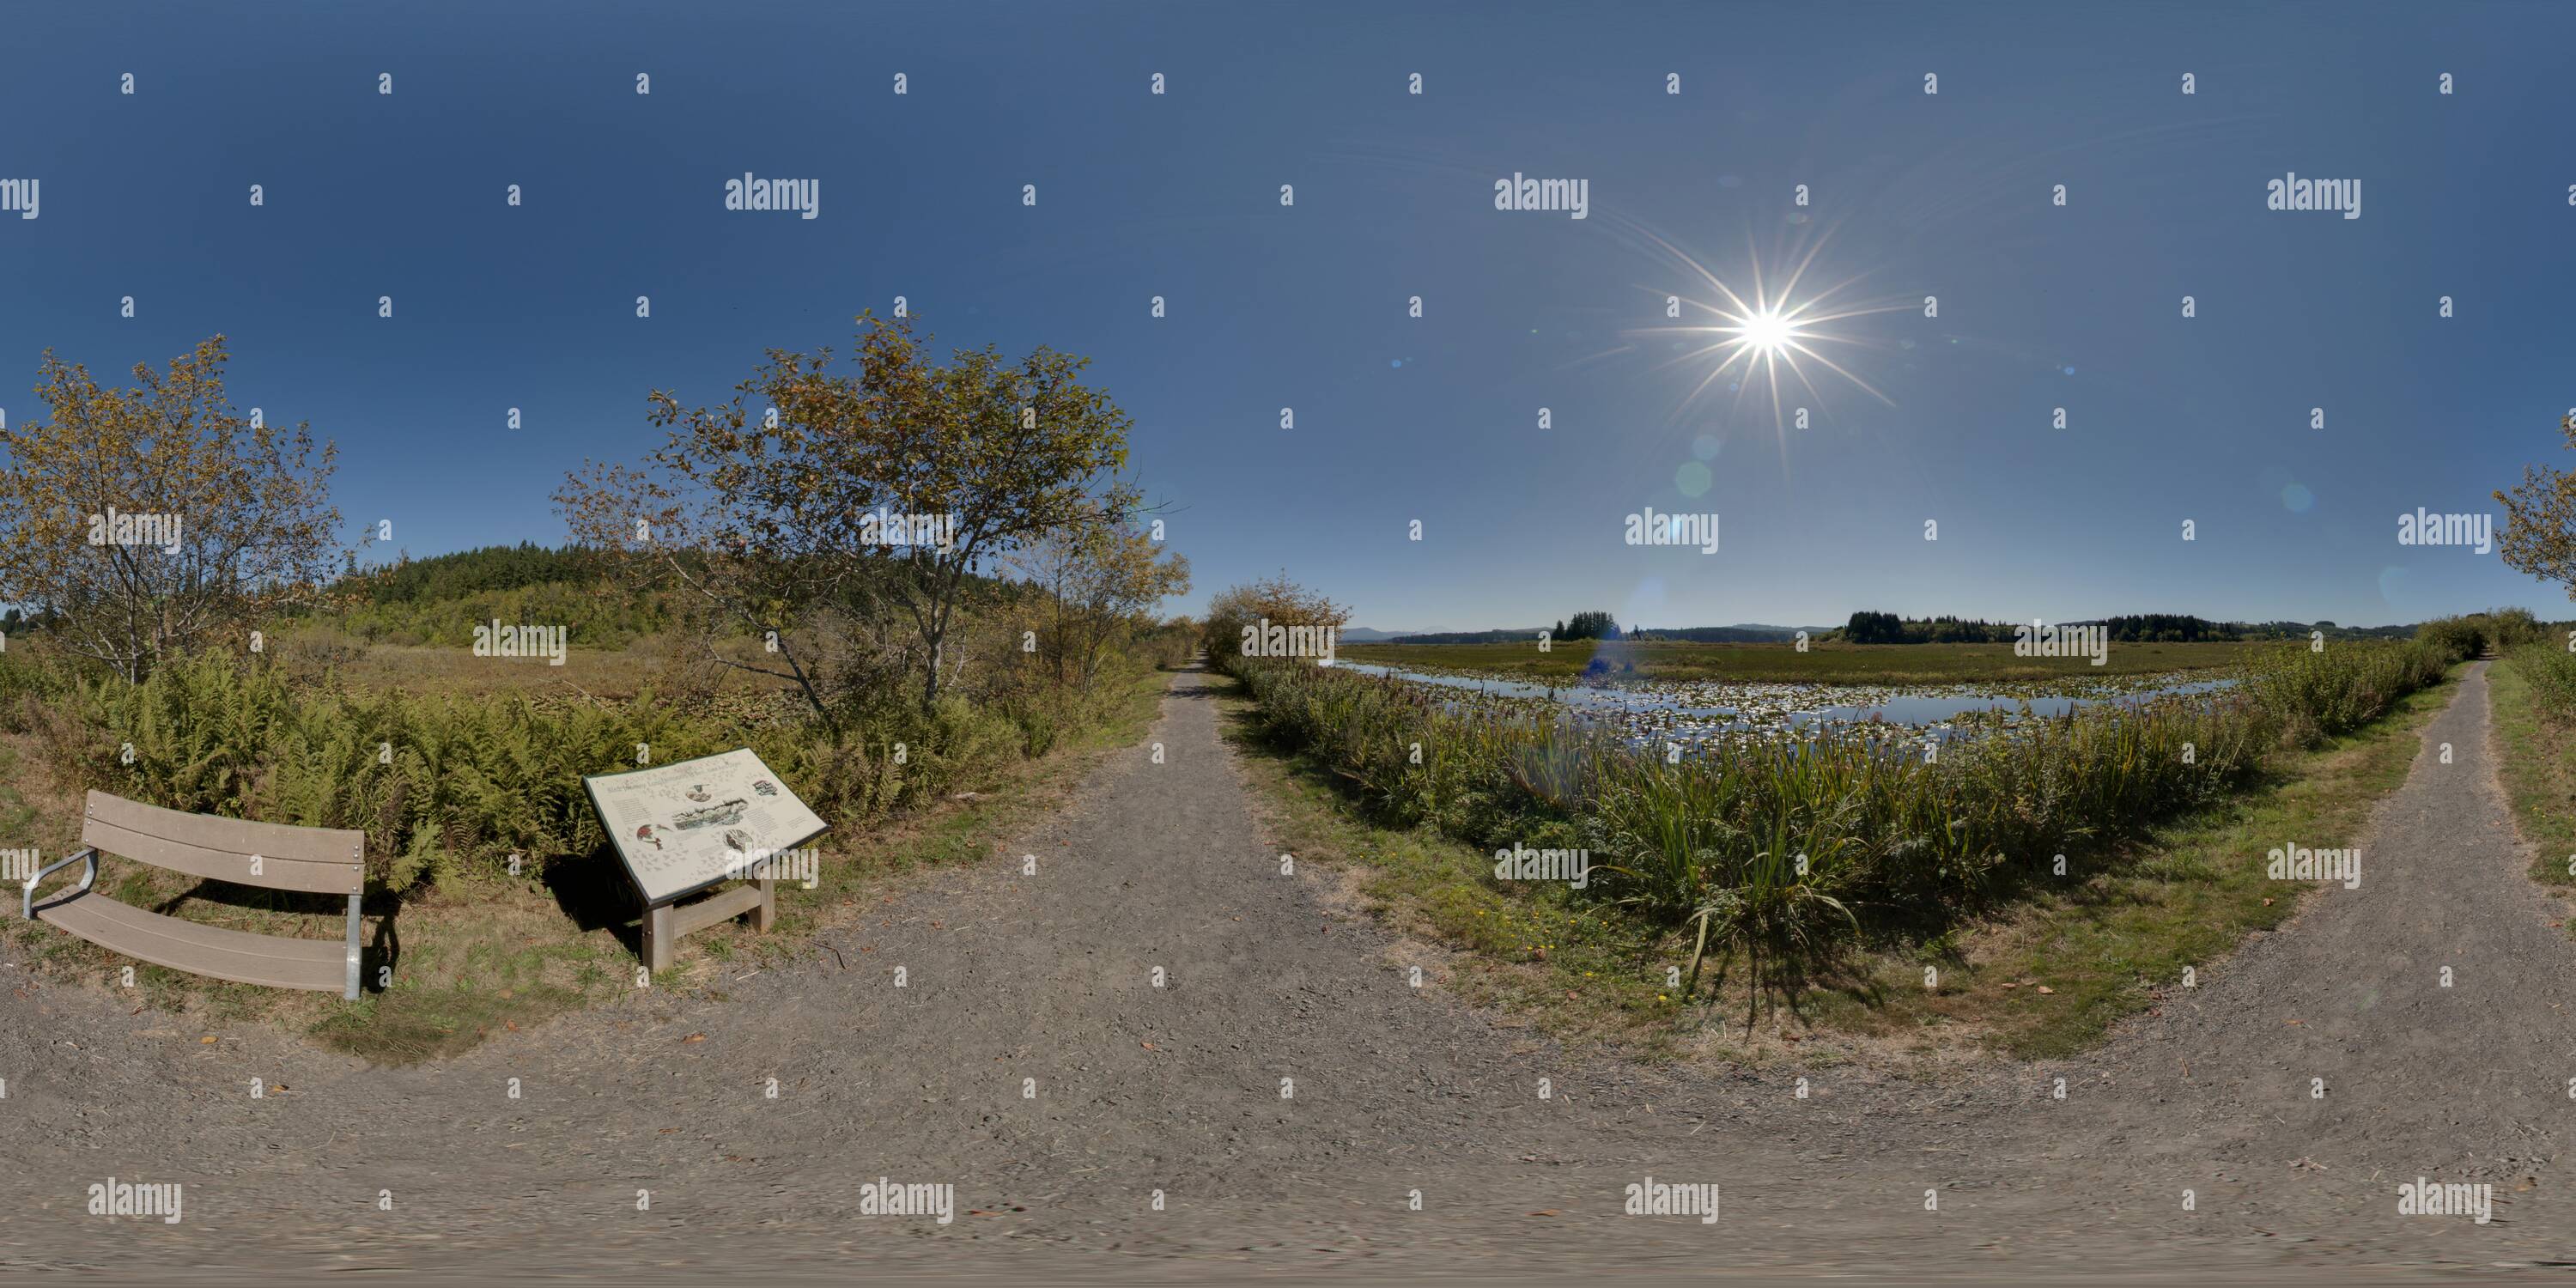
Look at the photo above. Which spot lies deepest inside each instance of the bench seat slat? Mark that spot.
(229, 835)
(202, 949)
(276, 872)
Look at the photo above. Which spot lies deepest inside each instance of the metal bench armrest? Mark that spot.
(27, 899)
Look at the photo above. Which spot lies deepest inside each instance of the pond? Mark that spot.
(1703, 708)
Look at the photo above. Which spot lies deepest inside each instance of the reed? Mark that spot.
(1785, 854)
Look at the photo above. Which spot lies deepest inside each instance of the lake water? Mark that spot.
(1705, 707)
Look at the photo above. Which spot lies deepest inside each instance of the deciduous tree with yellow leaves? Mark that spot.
(2540, 520)
(890, 477)
(137, 524)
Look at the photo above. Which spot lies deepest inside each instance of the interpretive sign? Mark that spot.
(695, 824)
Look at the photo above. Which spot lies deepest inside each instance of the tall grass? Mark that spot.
(1787, 853)
(28, 680)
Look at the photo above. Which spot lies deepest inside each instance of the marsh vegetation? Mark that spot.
(1781, 857)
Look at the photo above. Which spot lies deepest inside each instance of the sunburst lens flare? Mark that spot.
(1767, 332)
(1769, 343)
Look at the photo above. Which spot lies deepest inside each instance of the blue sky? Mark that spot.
(1397, 418)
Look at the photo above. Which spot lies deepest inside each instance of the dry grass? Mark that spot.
(606, 674)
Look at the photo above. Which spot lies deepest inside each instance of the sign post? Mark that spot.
(685, 828)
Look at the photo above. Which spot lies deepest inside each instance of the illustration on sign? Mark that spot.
(686, 826)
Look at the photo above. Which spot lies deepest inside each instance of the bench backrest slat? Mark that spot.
(316, 860)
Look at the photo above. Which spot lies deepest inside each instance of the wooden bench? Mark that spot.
(312, 860)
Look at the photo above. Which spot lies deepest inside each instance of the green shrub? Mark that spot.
(2551, 671)
(2319, 693)
(454, 785)
(2500, 629)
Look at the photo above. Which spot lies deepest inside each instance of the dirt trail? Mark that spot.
(1138, 1088)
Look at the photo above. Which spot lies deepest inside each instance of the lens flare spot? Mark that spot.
(2298, 499)
(1692, 478)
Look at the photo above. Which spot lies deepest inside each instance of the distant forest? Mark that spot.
(1597, 625)
(1888, 628)
(2140, 628)
(467, 572)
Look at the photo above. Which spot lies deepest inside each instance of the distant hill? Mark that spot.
(1368, 635)
(1462, 637)
(441, 599)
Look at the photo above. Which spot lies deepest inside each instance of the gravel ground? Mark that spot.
(1016, 983)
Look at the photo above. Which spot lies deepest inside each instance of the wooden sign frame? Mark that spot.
(727, 790)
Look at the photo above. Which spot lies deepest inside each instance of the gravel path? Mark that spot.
(1016, 983)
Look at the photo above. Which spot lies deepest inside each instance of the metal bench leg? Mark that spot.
(350, 993)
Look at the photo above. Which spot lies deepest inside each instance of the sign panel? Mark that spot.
(692, 824)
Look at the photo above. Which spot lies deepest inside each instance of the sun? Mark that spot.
(1766, 331)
